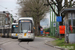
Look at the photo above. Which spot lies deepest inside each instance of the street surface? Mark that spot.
(14, 44)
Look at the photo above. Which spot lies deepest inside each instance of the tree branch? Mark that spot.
(52, 7)
(54, 3)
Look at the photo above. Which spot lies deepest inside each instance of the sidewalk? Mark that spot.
(49, 43)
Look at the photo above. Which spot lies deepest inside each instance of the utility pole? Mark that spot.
(54, 21)
(50, 23)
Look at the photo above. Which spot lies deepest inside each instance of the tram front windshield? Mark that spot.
(14, 28)
(24, 27)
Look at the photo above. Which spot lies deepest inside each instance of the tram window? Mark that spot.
(25, 26)
(14, 29)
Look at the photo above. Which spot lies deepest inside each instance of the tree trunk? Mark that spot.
(35, 28)
(61, 23)
(38, 29)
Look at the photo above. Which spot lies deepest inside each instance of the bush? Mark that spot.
(47, 30)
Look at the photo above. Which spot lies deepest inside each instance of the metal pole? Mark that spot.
(54, 21)
(2, 25)
(59, 33)
(58, 28)
(50, 23)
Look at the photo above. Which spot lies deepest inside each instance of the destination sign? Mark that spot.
(24, 21)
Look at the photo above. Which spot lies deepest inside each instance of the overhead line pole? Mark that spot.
(50, 23)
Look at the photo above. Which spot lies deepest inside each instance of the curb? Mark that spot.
(55, 46)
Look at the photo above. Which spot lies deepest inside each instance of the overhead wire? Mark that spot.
(6, 8)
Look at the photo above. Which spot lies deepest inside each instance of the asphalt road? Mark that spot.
(14, 44)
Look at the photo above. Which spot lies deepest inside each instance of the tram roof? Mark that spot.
(30, 18)
(14, 23)
(25, 18)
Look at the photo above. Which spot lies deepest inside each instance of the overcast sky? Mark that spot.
(9, 5)
(12, 7)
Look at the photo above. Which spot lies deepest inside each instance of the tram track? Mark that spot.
(1, 48)
(5, 42)
(25, 47)
(22, 46)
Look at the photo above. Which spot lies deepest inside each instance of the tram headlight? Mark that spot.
(12, 34)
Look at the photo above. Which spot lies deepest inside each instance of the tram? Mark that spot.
(26, 28)
(14, 30)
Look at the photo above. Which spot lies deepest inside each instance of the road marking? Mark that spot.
(6, 43)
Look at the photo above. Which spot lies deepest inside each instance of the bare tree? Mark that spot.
(59, 5)
(35, 9)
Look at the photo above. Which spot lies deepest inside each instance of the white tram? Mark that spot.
(26, 28)
(14, 30)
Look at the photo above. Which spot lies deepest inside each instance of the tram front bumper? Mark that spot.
(14, 35)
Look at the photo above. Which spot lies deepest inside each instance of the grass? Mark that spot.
(42, 36)
(61, 43)
(48, 36)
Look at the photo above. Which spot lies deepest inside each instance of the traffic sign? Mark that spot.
(59, 19)
(54, 24)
